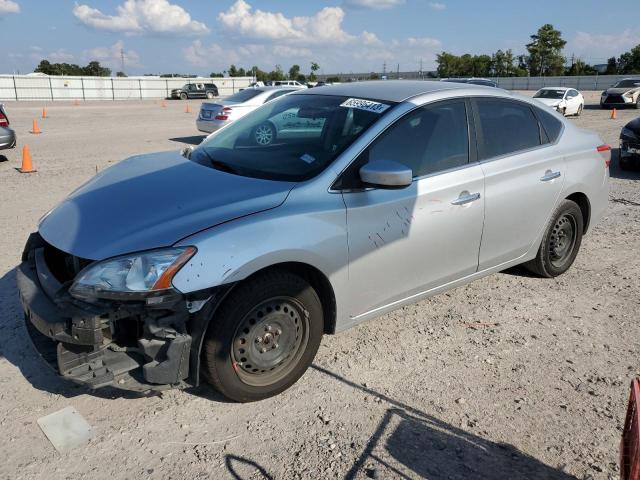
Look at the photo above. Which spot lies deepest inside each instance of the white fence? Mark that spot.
(27, 87)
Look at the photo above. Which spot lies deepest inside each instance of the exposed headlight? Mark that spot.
(131, 276)
(603, 94)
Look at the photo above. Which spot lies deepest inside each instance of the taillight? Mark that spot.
(605, 151)
(4, 121)
(224, 114)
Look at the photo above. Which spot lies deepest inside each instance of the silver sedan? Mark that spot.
(369, 196)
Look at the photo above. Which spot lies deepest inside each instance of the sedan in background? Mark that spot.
(567, 101)
(624, 93)
(214, 116)
(7, 135)
(630, 144)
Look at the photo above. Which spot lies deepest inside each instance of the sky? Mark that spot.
(342, 36)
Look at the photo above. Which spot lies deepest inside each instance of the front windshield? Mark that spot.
(548, 93)
(627, 84)
(292, 138)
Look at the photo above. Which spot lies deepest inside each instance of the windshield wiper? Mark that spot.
(218, 165)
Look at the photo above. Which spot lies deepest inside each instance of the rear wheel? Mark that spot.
(560, 243)
(579, 112)
(264, 337)
(637, 105)
(209, 95)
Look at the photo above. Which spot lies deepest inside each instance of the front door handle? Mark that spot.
(466, 197)
(549, 175)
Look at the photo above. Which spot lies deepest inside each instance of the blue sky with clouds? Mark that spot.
(343, 35)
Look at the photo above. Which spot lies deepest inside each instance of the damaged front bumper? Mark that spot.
(131, 345)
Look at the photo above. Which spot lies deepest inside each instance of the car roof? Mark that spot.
(388, 90)
(557, 88)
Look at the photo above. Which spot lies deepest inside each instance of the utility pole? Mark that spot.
(421, 75)
(122, 60)
(384, 69)
(398, 72)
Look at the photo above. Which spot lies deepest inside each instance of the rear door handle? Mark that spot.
(466, 197)
(549, 175)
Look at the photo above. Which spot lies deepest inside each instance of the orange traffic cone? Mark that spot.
(27, 166)
(164, 104)
(614, 114)
(44, 112)
(187, 109)
(76, 102)
(35, 128)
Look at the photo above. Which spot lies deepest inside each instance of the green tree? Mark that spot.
(232, 71)
(276, 74)
(314, 68)
(612, 66)
(294, 71)
(121, 74)
(629, 62)
(94, 69)
(545, 52)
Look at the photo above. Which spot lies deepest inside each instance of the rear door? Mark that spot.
(524, 175)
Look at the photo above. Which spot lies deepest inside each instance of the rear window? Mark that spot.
(244, 95)
(506, 127)
(552, 126)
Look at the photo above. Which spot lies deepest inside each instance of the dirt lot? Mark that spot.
(509, 377)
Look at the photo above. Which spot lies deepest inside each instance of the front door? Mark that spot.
(403, 242)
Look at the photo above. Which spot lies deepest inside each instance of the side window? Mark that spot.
(428, 140)
(505, 127)
(552, 126)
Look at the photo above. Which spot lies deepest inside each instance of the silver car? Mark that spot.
(229, 266)
(215, 115)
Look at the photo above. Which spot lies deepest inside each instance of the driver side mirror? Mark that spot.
(386, 174)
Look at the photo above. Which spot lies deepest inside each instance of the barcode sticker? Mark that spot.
(368, 105)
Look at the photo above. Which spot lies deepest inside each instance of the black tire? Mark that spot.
(637, 104)
(579, 112)
(184, 96)
(284, 312)
(210, 95)
(559, 248)
(624, 163)
(264, 134)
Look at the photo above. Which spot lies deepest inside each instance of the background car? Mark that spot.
(7, 135)
(630, 144)
(567, 101)
(214, 116)
(195, 90)
(473, 81)
(624, 93)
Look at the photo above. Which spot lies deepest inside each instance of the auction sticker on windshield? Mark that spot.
(367, 105)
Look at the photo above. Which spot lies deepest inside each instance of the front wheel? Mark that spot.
(637, 104)
(580, 108)
(264, 337)
(183, 96)
(560, 243)
(264, 134)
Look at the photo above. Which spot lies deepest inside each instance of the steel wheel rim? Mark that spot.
(269, 341)
(264, 135)
(563, 240)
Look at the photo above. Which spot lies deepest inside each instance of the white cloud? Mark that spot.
(374, 4)
(111, 56)
(596, 48)
(437, 6)
(59, 56)
(325, 26)
(142, 16)
(8, 6)
(369, 38)
(423, 42)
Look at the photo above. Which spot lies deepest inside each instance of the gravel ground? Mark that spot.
(509, 377)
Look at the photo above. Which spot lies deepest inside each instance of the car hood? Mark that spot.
(552, 102)
(620, 91)
(152, 201)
